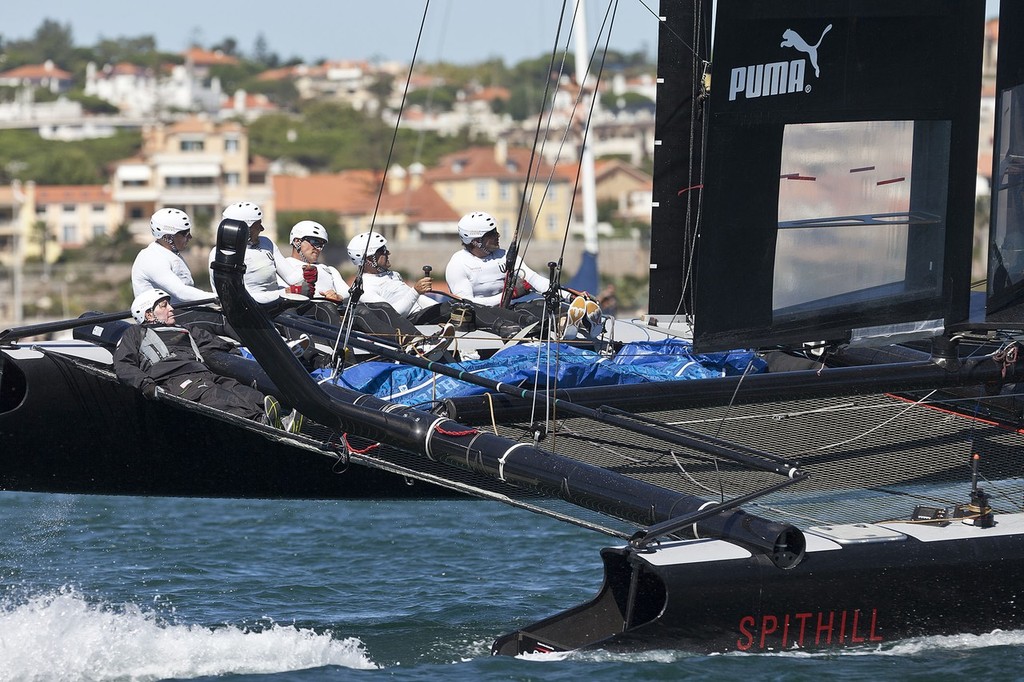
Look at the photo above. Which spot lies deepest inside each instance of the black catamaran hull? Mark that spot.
(881, 584)
(68, 430)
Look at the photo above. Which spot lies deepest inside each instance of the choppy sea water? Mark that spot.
(133, 588)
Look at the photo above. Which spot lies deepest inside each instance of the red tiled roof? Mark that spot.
(349, 192)
(74, 194)
(277, 74)
(355, 193)
(253, 101)
(259, 164)
(122, 69)
(37, 72)
(201, 57)
(490, 94)
(420, 204)
(481, 162)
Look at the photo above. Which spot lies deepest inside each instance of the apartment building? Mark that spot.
(493, 179)
(46, 75)
(71, 215)
(197, 165)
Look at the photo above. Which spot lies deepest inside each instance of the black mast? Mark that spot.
(684, 47)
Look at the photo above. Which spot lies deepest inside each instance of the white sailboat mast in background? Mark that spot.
(587, 182)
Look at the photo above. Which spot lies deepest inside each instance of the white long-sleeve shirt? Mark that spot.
(482, 280)
(327, 277)
(264, 263)
(157, 267)
(389, 287)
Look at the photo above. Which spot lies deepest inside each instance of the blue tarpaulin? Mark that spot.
(536, 365)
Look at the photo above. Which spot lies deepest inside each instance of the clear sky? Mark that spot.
(458, 31)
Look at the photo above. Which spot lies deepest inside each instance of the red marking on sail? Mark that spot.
(890, 181)
(797, 176)
(862, 169)
(687, 189)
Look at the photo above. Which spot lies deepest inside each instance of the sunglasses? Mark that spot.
(318, 244)
(186, 234)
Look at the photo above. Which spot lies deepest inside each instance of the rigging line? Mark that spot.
(513, 248)
(427, 107)
(721, 422)
(999, 493)
(540, 115)
(528, 199)
(612, 9)
(688, 46)
(572, 116)
(872, 429)
(700, 486)
(531, 177)
(686, 290)
(732, 399)
(357, 283)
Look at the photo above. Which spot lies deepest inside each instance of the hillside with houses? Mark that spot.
(94, 140)
(91, 147)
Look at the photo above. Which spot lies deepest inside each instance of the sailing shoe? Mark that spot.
(433, 348)
(292, 423)
(272, 411)
(575, 318)
(595, 320)
(577, 312)
(567, 332)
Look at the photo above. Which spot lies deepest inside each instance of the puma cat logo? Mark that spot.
(777, 78)
(791, 38)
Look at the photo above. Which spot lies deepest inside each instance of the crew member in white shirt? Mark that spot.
(477, 274)
(160, 265)
(477, 271)
(381, 284)
(320, 281)
(264, 262)
(309, 239)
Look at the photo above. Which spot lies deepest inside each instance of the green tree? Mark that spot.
(68, 167)
(92, 105)
(26, 156)
(141, 51)
(53, 40)
(228, 46)
(282, 93)
(440, 98)
(381, 88)
(118, 247)
(262, 55)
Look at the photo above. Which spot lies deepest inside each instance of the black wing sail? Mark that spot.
(840, 172)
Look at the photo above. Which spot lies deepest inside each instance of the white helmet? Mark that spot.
(169, 221)
(145, 302)
(308, 228)
(365, 244)
(475, 225)
(245, 211)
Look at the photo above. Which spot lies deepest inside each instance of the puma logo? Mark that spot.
(791, 38)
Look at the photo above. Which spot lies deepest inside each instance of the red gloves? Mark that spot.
(521, 288)
(309, 274)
